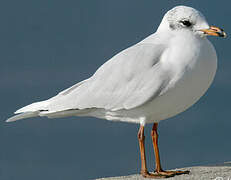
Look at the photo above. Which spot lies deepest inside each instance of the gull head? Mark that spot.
(183, 18)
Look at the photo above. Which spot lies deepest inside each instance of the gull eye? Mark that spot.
(186, 23)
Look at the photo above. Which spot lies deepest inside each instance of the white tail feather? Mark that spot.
(23, 116)
(37, 106)
(31, 110)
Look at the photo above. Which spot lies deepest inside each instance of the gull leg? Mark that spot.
(141, 139)
(144, 172)
(159, 170)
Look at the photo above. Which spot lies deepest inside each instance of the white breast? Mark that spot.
(191, 76)
(191, 82)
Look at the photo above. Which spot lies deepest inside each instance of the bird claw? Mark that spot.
(156, 175)
(163, 174)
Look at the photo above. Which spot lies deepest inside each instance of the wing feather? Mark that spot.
(128, 80)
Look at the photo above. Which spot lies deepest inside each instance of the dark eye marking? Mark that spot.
(186, 23)
(172, 26)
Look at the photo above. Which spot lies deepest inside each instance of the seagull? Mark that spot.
(155, 79)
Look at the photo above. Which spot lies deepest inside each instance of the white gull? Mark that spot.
(155, 79)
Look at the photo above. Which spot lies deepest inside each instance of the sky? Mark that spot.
(47, 46)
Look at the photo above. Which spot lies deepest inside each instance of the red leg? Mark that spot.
(154, 135)
(159, 169)
(144, 172)
(141, 139)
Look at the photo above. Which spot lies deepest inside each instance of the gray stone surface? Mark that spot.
(213, 172)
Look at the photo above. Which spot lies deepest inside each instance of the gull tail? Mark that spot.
(40, 109)
(23, 116)
(28, 111)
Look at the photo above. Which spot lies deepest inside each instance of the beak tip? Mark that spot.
(224, 35)
(215, 31)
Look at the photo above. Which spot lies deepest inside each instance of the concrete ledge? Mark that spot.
(213, 172)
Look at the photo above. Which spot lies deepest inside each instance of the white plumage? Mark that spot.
(155, 79)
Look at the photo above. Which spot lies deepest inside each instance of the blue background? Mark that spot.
(47, 46)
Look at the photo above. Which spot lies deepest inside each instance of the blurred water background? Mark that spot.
(47, 46)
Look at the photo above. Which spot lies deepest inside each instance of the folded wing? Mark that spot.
(128, 80)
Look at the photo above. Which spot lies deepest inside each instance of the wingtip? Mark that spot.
(22, 116)
(9, 120)
(12, 119)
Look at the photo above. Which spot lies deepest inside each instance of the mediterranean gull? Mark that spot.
(155, 79)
